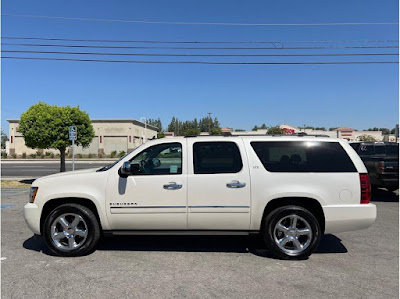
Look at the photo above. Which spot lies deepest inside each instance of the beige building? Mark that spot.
(120, 135)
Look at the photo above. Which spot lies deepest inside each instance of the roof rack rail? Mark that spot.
(301, 134)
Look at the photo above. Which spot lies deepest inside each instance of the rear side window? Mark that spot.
(216, 157)
(303, 156)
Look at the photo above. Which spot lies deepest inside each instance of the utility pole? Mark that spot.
(209, 122)
(145, 128)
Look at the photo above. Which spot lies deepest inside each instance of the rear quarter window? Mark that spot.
(303, 156)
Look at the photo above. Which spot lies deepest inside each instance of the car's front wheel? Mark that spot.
(71, 230)
(291, 232)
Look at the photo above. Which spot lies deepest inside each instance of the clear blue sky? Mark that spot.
(358, 96)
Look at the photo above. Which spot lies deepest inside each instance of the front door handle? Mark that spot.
(236, 184)
(172, 186)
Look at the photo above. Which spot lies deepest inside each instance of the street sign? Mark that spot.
(72, 136)
(72, 133)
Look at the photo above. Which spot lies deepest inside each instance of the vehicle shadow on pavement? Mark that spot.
(37, 244)
(234, 244)
(382, 195)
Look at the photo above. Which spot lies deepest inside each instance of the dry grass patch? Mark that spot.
(13, 184)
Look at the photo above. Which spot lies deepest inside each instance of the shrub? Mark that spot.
(23, 155)
(113, 154)
(33, 156)
(91, 156)
(14, 156)
(52, 155)
(4, 155)
(79, 156)
(121, 154)
(100, 155)
(48, 154)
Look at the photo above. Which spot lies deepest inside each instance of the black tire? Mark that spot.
(268, 232)
(93, 230)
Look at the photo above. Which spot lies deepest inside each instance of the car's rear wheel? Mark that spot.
(71, 230)
(291, 232)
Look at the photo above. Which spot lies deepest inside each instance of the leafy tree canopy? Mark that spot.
(366, 137)
(4, 138)
(45, 126)
(275, 130)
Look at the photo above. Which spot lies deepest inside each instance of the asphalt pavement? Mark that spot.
(35, 169)
(360, 264)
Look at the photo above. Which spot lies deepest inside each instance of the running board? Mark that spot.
(179, 232)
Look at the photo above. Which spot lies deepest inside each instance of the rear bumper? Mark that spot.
(348, 217)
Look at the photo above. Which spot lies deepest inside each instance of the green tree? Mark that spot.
(275, 130)
(155, 123)
(333, 129)
(239, 130)
(366, 137)
(255, 128)
(4, 138)
(45, 126)
(216, 131)
(192, 132)
(385, 131)
(320, 128)
(263, 126)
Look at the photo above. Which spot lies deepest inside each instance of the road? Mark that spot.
(360, 264)
(38, 169)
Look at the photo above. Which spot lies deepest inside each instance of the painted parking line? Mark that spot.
(6, 206)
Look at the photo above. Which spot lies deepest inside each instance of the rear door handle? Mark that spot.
(172, 186)
(235, 184)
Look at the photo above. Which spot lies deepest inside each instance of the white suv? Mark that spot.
(289, 189)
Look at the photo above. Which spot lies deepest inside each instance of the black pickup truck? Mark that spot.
(382, 162)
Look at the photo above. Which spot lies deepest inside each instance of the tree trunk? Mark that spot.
(62, 159)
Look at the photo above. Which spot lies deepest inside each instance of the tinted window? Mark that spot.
(367, 149)
(300, 156)
(356, 146)
(380, 150)
(160, 159)
(216, 157)
(392, 149)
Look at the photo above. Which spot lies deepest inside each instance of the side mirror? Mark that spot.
(125, 170)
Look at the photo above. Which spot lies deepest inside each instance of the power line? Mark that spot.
(200, 62)
(194, 42)
(199, 55)
(200, 23)
(198, 48)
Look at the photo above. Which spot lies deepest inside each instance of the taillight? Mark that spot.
(365, 188)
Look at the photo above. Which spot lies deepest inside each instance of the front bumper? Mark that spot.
(32, 217)
(345, 218)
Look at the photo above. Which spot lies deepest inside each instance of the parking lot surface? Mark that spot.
(360, 264)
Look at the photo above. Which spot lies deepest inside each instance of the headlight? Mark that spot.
(32, 194)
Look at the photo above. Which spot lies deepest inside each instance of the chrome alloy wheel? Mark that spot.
(69, 231)
(292, 234)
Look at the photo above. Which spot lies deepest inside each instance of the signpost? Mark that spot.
(72, 137)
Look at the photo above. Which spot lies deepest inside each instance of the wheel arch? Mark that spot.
(50, 205)
(308, 203)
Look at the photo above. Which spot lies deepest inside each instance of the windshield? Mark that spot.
(109, 166)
